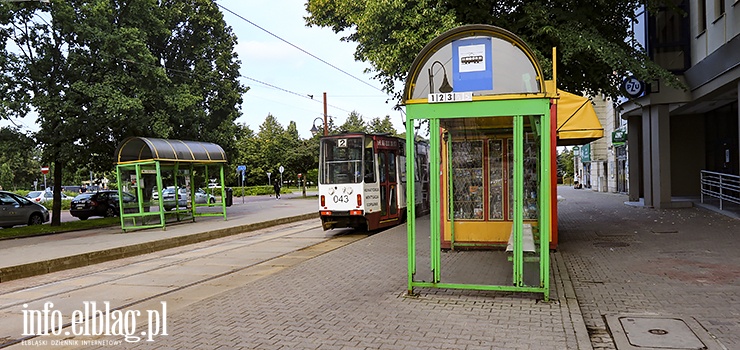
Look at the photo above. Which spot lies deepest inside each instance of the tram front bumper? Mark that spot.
(337, 219)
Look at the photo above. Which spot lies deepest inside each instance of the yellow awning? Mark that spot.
(577, 120)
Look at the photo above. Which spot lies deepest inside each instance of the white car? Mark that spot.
(183, 197)
(43, 196)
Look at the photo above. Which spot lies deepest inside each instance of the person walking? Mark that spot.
(276, 187)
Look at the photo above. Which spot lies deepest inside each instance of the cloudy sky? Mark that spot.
(269, 60)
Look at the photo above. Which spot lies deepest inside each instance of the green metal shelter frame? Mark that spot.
(528, 104)
(145, 155)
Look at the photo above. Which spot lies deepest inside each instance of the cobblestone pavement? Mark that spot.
(353, 298)
(632, 260)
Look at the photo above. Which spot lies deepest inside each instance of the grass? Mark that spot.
(40, 230)
(78, 225)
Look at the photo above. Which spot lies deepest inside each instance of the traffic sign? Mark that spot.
(44, 170)
(281, 169)
(241, 168)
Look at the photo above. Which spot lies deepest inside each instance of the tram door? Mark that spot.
(388, 185)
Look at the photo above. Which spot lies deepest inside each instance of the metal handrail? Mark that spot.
(725, 187)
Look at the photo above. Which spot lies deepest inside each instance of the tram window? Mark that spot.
(341, 160)
(369, 165)
(392, 167)
(402, 168)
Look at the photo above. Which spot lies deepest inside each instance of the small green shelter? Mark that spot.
(148, 165)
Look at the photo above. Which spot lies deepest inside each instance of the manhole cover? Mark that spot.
(611, 244)
(655, 332)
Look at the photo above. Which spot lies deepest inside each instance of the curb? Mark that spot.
(70, 262)
(571, 310)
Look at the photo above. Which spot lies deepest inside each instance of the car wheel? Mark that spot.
(212, 200)
(83, 217)
(35, 219)
(7, 226)
(110, 212)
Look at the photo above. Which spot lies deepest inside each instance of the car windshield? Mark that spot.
(33, 194)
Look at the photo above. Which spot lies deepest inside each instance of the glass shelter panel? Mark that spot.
(467, 179)
(495, 179)
(531, 173)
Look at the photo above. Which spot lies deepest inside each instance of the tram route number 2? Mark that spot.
(450, 97)
(341, 198)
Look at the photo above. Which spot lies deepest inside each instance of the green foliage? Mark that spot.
(593, 53)
(107, 70)
(380, 126)
(19, 160)
(565, 163)
(354, 123)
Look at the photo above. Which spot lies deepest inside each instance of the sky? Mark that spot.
(267, 59)
(270, 60)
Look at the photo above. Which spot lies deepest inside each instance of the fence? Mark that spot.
(725, 187)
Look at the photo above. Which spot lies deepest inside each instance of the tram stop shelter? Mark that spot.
(493, 136)
(146, 166)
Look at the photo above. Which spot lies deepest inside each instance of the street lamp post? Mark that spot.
(314, 129)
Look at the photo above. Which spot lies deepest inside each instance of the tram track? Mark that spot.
(295, 242)
(3, 306)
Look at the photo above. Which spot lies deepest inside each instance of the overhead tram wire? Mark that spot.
(306, 96)
(300, 49)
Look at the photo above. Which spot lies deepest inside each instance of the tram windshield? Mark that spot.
(341, 160)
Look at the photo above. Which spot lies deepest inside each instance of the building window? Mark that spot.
(669, 34)
(719, 8)
(702, 16)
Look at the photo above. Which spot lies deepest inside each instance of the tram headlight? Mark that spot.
(331, 191)
(348, 190)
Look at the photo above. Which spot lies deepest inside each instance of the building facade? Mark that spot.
(674, 134)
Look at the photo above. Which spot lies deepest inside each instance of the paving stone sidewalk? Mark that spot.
(633, 260)
(353, 298)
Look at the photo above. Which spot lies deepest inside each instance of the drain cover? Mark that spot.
(655, 332)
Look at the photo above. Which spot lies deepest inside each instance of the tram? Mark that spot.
(362, 180)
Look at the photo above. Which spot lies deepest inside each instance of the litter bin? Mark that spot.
(229, 196)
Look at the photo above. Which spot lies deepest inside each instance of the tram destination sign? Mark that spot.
(450, 97)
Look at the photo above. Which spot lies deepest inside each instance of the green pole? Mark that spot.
(410, 210)
(450, 192)
(518, 198)
(120, 188)
(434, 217)
(223, 192)
(545, 203)
(160, 201)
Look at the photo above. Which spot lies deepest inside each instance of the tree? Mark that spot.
(379, 126)
(594, 52)
(565, 163)
(100, 71)
(19, 158)
(354, 123)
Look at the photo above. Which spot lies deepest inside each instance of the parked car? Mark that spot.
(43, 196)
(17, 210)
(101, 203)
(183, 197)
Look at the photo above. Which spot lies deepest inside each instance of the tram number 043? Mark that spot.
(341, 199)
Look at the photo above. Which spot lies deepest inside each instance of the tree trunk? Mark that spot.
(56, 207)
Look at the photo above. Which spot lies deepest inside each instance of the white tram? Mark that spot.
(362, 180)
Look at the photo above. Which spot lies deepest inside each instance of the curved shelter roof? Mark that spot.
(134, 149)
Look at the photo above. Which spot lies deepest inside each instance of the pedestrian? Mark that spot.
(276, 187)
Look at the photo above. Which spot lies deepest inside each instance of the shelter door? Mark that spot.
(388, 185)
